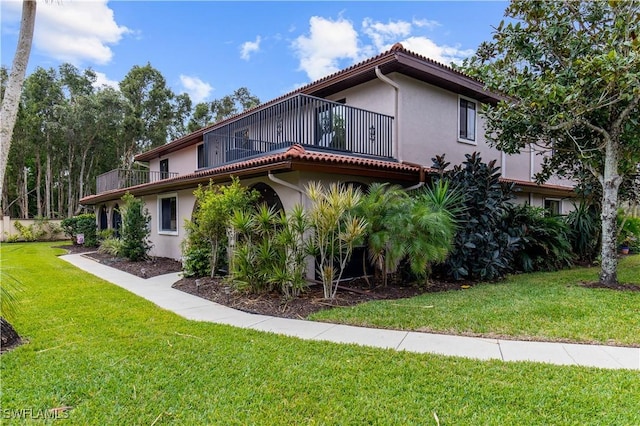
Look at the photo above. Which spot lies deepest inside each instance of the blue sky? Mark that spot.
(210, 48)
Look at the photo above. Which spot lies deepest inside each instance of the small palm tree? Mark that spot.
(385, 209)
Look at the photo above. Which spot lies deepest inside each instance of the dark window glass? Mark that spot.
(164, 168)
(467, 120)
(168, 214)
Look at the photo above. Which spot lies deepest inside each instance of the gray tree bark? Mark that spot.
(11, 99)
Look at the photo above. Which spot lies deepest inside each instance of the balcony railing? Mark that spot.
(306, 120)
(122, 178)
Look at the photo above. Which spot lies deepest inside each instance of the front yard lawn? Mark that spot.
(550, 306)
(118, 359)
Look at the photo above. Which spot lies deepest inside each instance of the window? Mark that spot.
(552, 206)
(164, 168)
(168, 214)
(242, 139)
(331, 125)
(201, 156)
(467, 121)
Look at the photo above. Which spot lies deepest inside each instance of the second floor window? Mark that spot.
(467, 125)
(164, 168)
(201, 159)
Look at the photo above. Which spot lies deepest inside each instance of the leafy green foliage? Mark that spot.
(336, 231)
(483, 248)
(430, 230)
(211, 220)
(569, 73)
(135, 228)
(269, 250)
(544, 239)
(84, 224)
(112, 246)
(385, 209)
(584, 231)
(629, 231)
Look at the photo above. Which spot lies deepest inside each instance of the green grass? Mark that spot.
(118, 359)
(540, 306)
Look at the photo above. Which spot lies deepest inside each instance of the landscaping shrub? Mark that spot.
(269, 250)
(629, 232)
(432, 226)
(544, 239)
(211, 218)
(385, 209)
(112, 246)
(336, 231)
(584, 231)
(483, 248)
(135, 228)
(82, 224)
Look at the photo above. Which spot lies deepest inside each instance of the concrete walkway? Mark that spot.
(158, 290)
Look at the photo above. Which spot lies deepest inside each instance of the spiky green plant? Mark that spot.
(336, 230)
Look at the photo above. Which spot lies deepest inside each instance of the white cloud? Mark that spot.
(441, 53)
(381, 34)
(102, 80)
(197, 89)
(77, 31)
(249, 47)
(426, 23)
(327, 43)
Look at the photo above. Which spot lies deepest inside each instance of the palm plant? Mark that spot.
(384, 207)
(431, 233)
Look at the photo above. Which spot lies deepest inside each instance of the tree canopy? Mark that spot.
(68, 131)
(569, 73)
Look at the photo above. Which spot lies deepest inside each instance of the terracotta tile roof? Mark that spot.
(536, 185)
(384, 58)
(282, 160)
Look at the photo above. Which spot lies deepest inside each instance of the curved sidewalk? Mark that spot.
(159, 291)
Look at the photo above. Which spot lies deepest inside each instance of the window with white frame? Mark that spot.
(168, 214)
(467, 120)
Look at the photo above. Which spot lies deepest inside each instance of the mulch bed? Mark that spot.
(273, 304)
(148, 268)
(312, 300)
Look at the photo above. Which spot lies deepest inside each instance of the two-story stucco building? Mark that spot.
(380, 120)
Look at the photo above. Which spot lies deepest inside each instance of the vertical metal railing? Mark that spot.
(306, 120)
(123, 178)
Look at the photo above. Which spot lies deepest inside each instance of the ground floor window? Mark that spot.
(168, 214)
(552, 206)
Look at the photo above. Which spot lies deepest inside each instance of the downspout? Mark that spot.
(422, 178)
(396, 87)
(289, 185)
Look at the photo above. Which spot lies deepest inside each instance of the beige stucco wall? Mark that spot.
(183, 161)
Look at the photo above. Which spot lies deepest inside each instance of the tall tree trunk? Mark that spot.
(39, 184)
(11, 99)
(610, 184)
(47, 185)
(25, 193)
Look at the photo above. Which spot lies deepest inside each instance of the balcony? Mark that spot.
(312, 122)
(122, 178)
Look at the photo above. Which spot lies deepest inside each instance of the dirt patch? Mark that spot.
(618, 287)
(312, 300)
(9, 338)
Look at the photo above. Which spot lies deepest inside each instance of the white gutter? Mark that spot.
(396, 138)
(289, 185)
